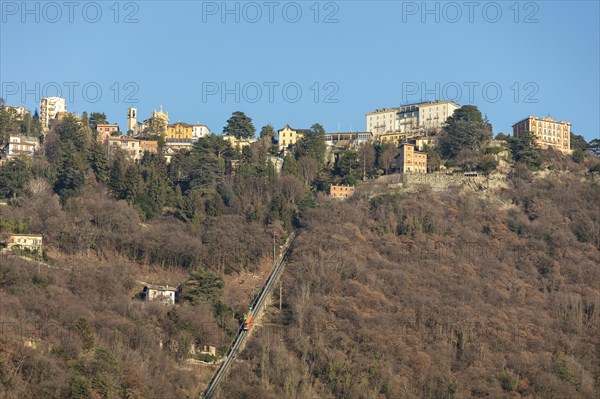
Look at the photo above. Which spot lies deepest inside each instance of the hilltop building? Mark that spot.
(199, 130)
(423, 118)
(134, 127)
(49, 108)
(106, 130)
(180, 131)
(548, 132)
(288, 136)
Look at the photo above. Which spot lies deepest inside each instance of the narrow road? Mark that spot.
(257, 308)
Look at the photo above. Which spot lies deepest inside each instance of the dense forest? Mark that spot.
(396, 295)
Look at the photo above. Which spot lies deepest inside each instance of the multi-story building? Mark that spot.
(433, 115)
(411, 161)
(133, 148)
(49, 107)
(180, 131)
(22, 146)
(105, 130)
(424, 118)
(547, 131)
(199, 130)
(382, 121)
(289, 136)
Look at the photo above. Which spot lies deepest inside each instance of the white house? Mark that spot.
(160, 293)
(22, 146)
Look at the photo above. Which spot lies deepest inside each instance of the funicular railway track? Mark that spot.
(245, 327)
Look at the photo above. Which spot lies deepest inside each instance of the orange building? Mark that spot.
(411, 161)
(149, 145)
(341, 191)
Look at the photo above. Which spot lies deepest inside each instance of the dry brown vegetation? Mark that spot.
(438, 296)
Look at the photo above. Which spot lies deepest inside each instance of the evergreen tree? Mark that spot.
(116, 180)
(524, 149)
(70, 172)
(313, 144)
(290, 166)
(239, 126)
(70, 130)
(97, 118)
(465, 129)
(98, 161)
(267, 131)
(14, 176)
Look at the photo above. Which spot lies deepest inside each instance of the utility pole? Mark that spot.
(280, 294)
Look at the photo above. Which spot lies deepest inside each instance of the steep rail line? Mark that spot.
(257, 308)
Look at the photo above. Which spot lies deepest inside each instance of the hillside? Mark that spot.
(438, 295)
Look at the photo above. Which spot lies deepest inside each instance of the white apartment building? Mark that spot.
(426, 117)
(199, 131)
(382, 121)
(49, 107)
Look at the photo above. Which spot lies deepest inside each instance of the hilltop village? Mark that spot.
(433, 257)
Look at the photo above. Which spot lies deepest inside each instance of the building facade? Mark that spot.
(22, 146)
(49, 108)
(133, 148)
(199, 130)
(411, 161)
(159, 293)
(289, 136)
(180, 131)
(423, 118)
(382, 121)
(341, 191)
(548, 132)
(28, 242)
(105, 130)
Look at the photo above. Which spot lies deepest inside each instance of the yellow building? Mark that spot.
(411, 161)
(180, 131)
(288, 136)
(547, 131)
(29, 242)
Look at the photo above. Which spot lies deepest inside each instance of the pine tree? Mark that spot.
(70, 172)
(98, 161)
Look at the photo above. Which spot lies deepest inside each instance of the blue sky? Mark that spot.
(284, 62)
